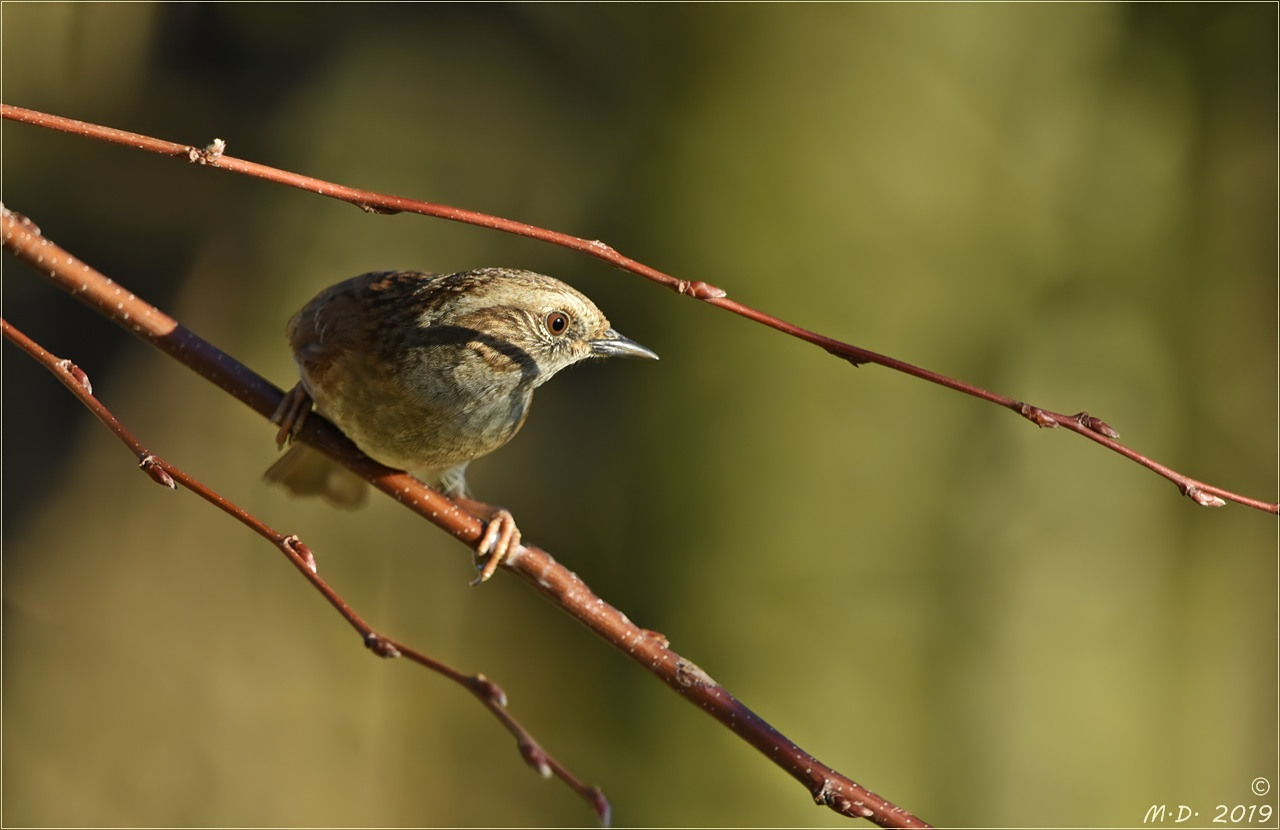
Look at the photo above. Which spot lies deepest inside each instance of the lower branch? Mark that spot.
(164, 473)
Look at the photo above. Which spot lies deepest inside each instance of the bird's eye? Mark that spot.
(557, 322)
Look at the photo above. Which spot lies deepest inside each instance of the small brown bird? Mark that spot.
(426, 372)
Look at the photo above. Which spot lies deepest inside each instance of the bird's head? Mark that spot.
(534, 321)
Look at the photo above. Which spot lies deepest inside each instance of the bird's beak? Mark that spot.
(615, 345)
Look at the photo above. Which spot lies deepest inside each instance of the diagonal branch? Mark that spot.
(214, 155)
(829, 788)
(299, 555)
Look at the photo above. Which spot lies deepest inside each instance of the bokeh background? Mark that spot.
(989, 624)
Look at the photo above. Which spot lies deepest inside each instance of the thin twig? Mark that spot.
(297, 552)
(214, 155)
(649, 649)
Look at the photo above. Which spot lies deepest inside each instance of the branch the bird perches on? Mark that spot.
(829, 788)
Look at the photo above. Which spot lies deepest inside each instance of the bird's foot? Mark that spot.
(501, 537)
(291, 414)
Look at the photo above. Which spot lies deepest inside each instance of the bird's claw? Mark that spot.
(291, 413)
(501, 538)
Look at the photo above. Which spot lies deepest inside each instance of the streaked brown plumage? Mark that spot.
(426, 372)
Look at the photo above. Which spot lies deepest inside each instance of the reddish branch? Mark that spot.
(214, 156)
(828, 787)
(166, 474)
(650, 649)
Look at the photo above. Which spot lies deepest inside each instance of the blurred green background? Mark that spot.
(988, 624)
